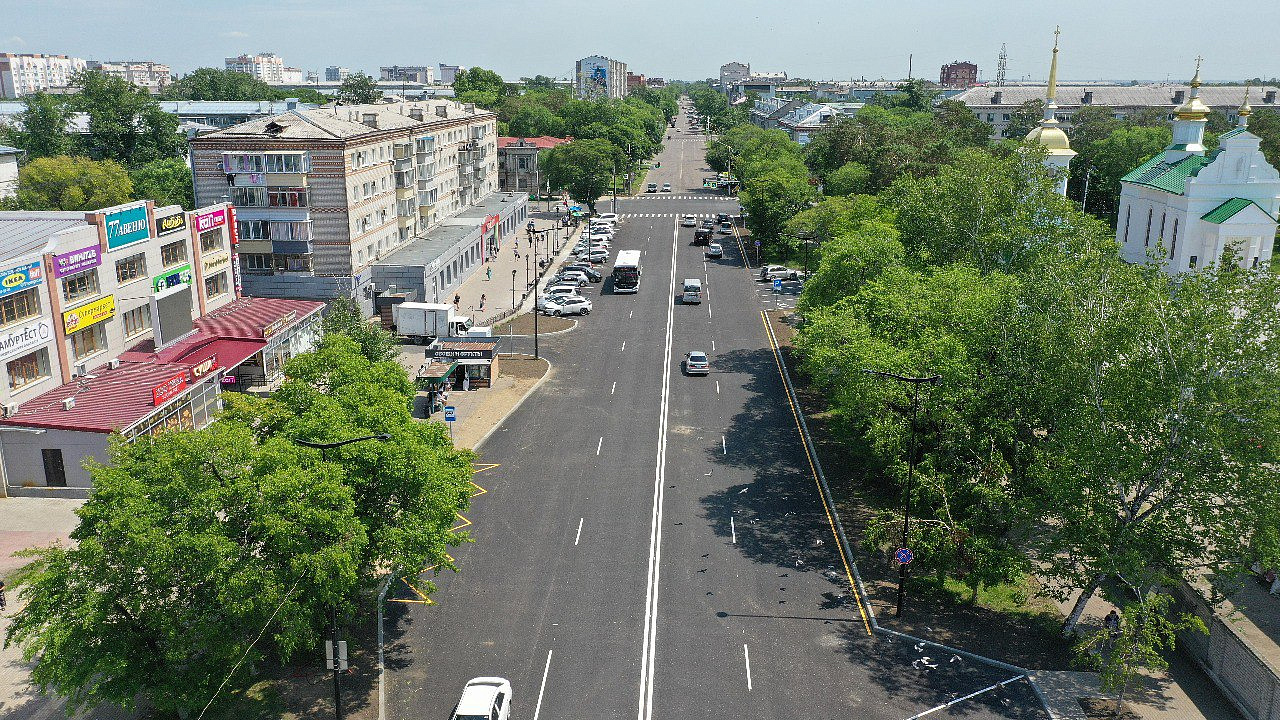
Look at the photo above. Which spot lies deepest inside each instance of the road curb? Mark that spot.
(860, 588)
(551, 370)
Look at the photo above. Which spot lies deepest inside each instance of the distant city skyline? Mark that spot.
(687, 41)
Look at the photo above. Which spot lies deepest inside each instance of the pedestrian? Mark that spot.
(488, 273)
(517, 251)
(482, 299)
(2, 602)
(466, 383)
(1112, 623)
(457, 300)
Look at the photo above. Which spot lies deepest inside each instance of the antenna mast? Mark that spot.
(1002, 66)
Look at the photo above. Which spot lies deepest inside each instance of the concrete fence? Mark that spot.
(1248, 680)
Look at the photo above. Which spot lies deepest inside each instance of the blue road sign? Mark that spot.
(777, 284)
(757, 243)
(903, 556)
(450, 413)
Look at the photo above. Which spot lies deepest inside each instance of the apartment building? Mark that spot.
(150, 76)
(421, 74)
(599, 76)
(958, 74)
(26, 73)
(337, 74)
(447, 73)
(322, 195)
(267, 67)
(9, 157)
(734, 73)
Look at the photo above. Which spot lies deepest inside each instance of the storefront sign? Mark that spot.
(229, 380)
(489, 222)
(20, 278)
(21, 340)
(127, 226)
(278, 325)
(480, 353)
(220, 259)
(210, 220)
(172, 278)
(171, 223)
(233, 229)
(91, 314)
(169, 389)
(76, 260)
(205, 367)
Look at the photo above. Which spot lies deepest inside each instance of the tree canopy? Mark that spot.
(582, 168)
(72, 183)
(125, 123)
(167, 181)
(359, 89)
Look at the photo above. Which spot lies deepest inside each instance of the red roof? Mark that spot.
(542, 143)
(116, 399)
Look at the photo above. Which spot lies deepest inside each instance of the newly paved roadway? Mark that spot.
(654, 545)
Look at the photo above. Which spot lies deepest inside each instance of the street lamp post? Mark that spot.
(915, 383)
(324, 449)
(513, 291)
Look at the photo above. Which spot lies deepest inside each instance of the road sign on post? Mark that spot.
(338, 662)
(904, 556)
(450, 413)
(777, 285)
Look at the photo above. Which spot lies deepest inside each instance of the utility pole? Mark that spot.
(915, 383)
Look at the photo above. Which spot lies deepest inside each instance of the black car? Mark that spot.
(702, 236)
(722, 217)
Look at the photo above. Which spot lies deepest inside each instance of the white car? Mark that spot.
(574, 277)
(776, 272)
(606, 217)
(545, 300)
(484, 698)
(688, 221)
(715, 250)
(666, 187)
(568, 305)
(696, 363)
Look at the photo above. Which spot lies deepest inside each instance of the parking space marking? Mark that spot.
(717, 386)
(613, 389)
(946, 705)
(724, 445)
(733, 530)
(624, 346)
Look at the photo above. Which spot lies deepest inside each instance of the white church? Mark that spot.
(1194, 207)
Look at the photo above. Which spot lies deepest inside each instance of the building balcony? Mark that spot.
(291, 247)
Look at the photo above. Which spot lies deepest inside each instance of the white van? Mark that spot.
(692, 291)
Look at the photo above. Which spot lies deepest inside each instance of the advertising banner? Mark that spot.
(91, 314)
(75, 261)
(169, 389)
(21, 278)
(127, 226)
(172, 278)
(171, 223)
(210, 220)
(22, 340)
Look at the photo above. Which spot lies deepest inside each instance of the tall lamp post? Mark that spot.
(324, 449)
(806, 238)
(513, 291)
(915, 383)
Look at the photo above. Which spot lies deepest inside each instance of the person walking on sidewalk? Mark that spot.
(457, 301)
(482, 299)
(488, 273)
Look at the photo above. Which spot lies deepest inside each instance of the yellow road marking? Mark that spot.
(422, 596)
(423, 599)
(795, 415)
(465, 523)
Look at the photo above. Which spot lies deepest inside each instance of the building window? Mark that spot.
(243, 163)
(1150, 214)
(79, 286)
(1192, 262)
(252, 230)
(131, 268)
(256, 262)
(136, 320)
(28, 369)
(19, 306)
(287, 197)
(216, 285)
(522, 163)
(211, 241)
(249, 196)
(88, 341)
(287, 163)
(175, 253)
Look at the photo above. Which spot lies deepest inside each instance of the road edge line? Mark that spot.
(838, 528)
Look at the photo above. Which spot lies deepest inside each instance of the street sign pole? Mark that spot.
(450, 417)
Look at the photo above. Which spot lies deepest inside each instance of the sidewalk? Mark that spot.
(499, 287)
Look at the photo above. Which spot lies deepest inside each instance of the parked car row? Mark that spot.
(563, 295)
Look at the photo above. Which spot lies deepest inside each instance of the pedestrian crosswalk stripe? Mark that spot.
(700, 216)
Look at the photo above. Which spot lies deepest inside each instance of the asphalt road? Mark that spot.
(651, 544)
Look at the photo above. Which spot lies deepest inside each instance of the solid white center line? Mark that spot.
(543, 689)
(733, 530)
(746, 656)
(615, 387)
(579, 535)
(599, 445)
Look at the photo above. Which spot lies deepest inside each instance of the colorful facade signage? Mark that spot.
(210, 220)
(171, 223)
(277, 325)
(172, 278)
(76, 261)
(20, 278)
(24, 339)
(87, 315)
(220, 259)
(205, 367)
(127, 226)
(169, 389)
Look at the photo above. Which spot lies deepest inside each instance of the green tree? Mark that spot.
(1024, 119)
(960, 123)
(218, 84)
(1123, 150)
(343, 317)
(848, 179)
(1265, 124)
(477, 85)
(72, 183)
(41, 127)
(1148, 632)
(771, 200)
(167, 181)
(582, 168)
(125, 123)
(849, 260)
(541, 82)
(912, 96)
(536, 121)
(359, 89)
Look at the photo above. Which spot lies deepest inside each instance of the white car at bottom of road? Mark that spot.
(484, 698)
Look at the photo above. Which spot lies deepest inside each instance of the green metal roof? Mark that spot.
(1228, 209)
(1169, 177)
(1231, 133)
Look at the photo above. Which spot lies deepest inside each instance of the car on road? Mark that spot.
(714, 250)
(688, 221)
(702, 236)
(606, 217)
(567, 305)
(726, 228)
(484, 698)
(696, 363)
(722, 217)
(666, 187)
(708, 223)
(585, 268)
(776, 272)
(651, 187)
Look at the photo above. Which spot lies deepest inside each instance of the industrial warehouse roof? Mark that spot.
(1225, 96)
(425, 249)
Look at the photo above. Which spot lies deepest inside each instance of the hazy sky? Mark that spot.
(1112, 39)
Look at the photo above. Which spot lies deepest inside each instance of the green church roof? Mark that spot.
(1228, 209)
(1169, 177)
(1231, 133)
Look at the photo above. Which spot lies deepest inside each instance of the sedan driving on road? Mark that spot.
(696, 363)
(714, 250)
(688, 221)
(726, 228)
(484, 698)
